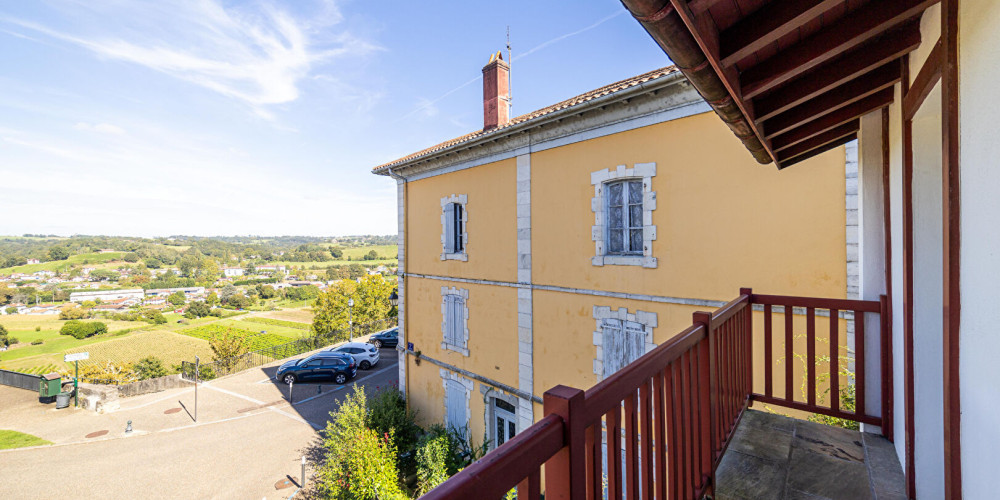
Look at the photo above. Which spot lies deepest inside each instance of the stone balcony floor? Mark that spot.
(777, 457)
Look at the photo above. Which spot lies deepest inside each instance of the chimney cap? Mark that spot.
(496, 57)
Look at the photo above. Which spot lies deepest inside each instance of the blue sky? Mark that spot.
(210, 117)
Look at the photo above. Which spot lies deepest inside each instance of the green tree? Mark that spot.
(212, 299)
(337, 253)
(371, 302)
(197, 309)
(372, 255)
(5, 339)
(355, 271)
(227, 291)
(58, 253)
(177, 298)
(227, 346)
(149, 367)
(210, 270)
(12, 310)
(153, 263)
(71, 312)
(266, 291)
(131, 257)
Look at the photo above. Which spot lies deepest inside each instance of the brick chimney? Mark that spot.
(496, 92)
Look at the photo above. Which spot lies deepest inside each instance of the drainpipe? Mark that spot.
(662, 22)
(402, 276)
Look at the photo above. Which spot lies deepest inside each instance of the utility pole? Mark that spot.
(197, 374)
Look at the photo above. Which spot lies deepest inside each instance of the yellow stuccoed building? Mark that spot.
(558, 246)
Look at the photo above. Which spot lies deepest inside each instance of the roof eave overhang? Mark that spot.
(595, 104)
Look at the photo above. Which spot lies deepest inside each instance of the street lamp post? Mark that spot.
(350, 317)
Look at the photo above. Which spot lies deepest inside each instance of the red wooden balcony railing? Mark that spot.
(669, 415)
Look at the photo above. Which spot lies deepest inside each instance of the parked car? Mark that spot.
(320, 366)
(365, 355)
(385, 338)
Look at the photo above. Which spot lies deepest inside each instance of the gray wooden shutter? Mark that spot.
(459, 331)
(612, 346)
(635, 341)
(455, 405)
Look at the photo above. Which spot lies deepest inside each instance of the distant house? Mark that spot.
(136, 295)
(230, 272)
(114, 306)
(270, 268)
(33, 261)
(193, 292)
(106, 250)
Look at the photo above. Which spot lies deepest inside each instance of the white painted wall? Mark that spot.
(928, 282)
(896, 229)
(979, 371)
(871, 250)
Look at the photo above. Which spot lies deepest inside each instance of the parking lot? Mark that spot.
(247, 437)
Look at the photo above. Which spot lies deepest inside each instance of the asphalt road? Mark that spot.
(247, 438)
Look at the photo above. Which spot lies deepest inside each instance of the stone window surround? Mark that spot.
(598, 205)
(489, 393)
(447, 375)
(647, 319)
(464, 293)
(462, 200)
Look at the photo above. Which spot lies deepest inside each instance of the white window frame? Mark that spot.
(455, 337)
(603, 315)
(448, 233)
(599, 205)
(454, 378)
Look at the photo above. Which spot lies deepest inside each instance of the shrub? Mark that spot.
(38, 328)
(11, 310)
(37, 342)
(106, 373)
(13, 340)
(197, 309)
(360, 463)
(436, 458)
(80, 330)
(150, 367)
(154, 317)
(388, 414)
(4, 339)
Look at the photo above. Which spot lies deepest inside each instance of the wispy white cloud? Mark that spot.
(104, 128)
(257, 55)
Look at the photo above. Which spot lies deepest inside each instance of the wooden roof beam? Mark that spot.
(827, 122)
(847, 33)
(885, 76)
(821, 140)
(766, 25)
(818, 151)
(843, 69)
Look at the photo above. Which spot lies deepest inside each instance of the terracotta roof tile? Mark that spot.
(568, 103)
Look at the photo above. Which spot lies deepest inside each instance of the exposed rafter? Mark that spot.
(827, 122)
(864, 24)
(838, 71)
(767, 24)
(820, 140)
(818, 151)
(844, 95)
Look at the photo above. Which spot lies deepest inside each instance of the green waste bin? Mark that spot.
(50, 385)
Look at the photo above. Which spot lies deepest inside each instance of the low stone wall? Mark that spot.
(152, 385)
(98, 398)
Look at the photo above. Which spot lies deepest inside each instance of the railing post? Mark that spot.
(748, 330)
(705, 319)
(885, 370)
(566, 471)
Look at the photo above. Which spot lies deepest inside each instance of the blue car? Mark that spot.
(385, 338)
(319, 367)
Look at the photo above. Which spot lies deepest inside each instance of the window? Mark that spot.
(624, 342)
(455, 320)
(624, 216)
(454, 227)
(505, 425)
(623, 205)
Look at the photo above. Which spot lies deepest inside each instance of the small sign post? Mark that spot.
(75, 358)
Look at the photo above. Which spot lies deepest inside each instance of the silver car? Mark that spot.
(365, 355)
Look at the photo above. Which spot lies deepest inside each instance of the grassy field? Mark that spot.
(302, 315)
(60, 265)
(258, 340)
(14, 439)
(127, 342)
(387, 257)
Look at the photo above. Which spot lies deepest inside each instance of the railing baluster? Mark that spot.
(811, 355)
(631, 448)
(593, 458)
(705, 409)
(660, 410)
(789, 395)
(646, 440)
(834, 360)
(768, 361)
(613, 419)
(859, 362)
(670, 402)
(694, 375)
(531, 487)
(687, 439)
